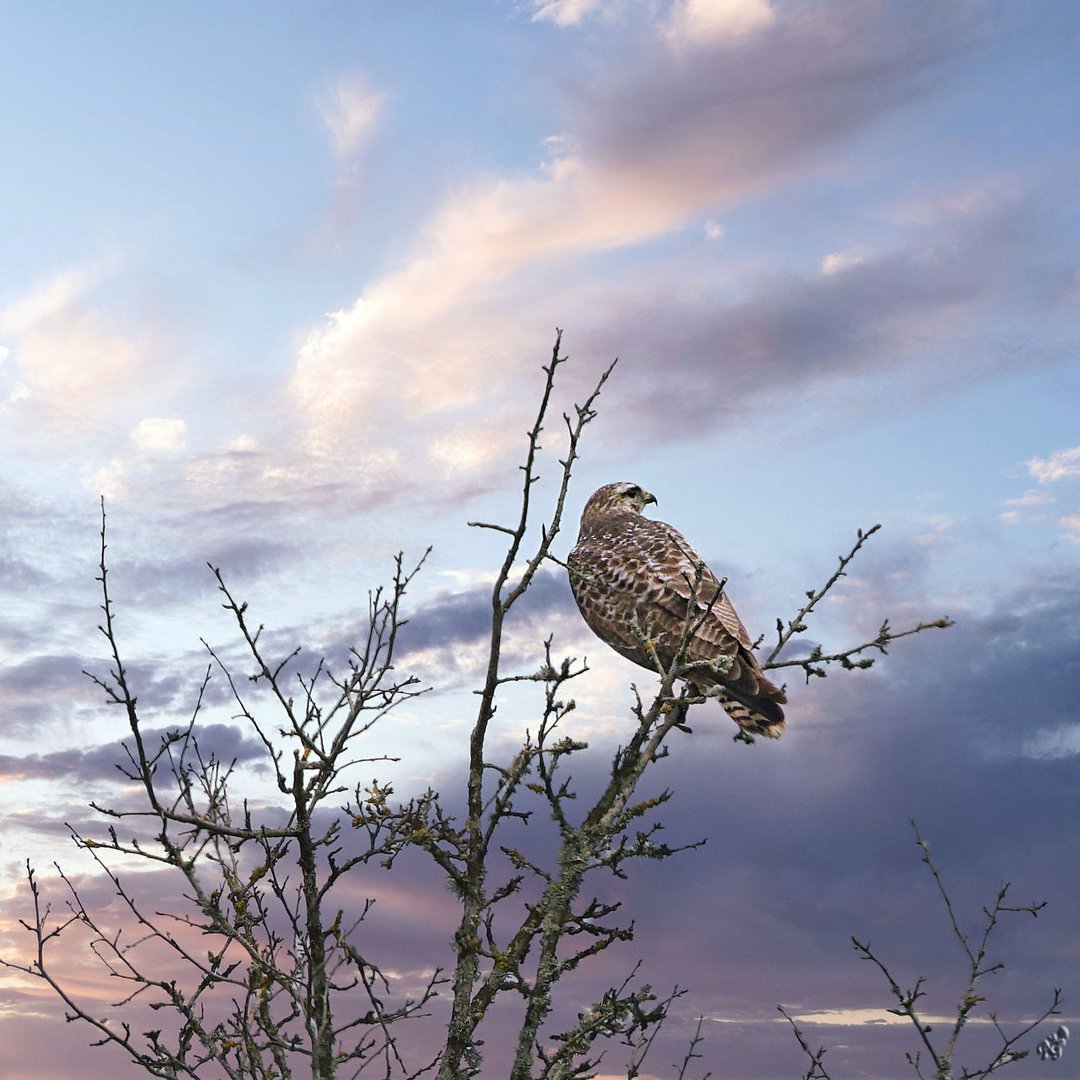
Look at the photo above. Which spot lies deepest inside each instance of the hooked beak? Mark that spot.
(649, 497)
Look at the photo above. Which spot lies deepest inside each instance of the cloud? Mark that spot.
(716, 123)
(1031, 497)
(976, 197)
(68, 352)
(52, 297)
(649, 148)
(470, 448)
(564, 12)
(156, 435)
(1015, 514)
(1071, 524)
(939, 531)
(838, 261)
(108, 481)
(1060, 465)
(95, 764)
(697, 23)
(350, 112)
(799, 333)
(39, 688)
(456, 622)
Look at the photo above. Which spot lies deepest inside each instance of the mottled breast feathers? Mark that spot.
(634, 579)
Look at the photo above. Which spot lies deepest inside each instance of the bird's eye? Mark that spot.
(633, 492)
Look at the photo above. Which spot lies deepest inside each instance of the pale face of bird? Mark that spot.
(619, 498)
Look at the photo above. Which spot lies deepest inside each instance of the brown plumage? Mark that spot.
(633, 579)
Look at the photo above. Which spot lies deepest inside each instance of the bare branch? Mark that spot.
(942, 1057)
(817, 1070)
(815, 664)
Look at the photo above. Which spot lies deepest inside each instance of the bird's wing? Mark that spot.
(683, 578)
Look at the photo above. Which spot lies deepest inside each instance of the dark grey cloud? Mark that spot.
(808, 843)
(465, 617)
(20, 575)
(106, 761)
(158, 576)
(41, 688)
(915, 305)
(716, 120)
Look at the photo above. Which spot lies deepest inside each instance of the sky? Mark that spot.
(277, 284)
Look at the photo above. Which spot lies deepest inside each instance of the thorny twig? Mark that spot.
(238, 996)
(815, 663)
(817, 1070)
(943, 1057)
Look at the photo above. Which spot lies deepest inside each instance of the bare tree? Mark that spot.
(264, 974)
(941, 1056)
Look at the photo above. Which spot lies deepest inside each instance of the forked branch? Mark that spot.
(942, 1057)
(817, 661)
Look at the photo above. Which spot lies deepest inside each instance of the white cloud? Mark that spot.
(1071, 524)
(1057, 742)
(973, 200)
(850, 1017)
(60, 292)
(713, 230)
(1031, 497)
(1060, 465)
(19, 392)
(69, 353)
(941, 526)
(110, 481)
(838, 261)
(481, 236)
(694, 23)
(473, 447)
(156, 435)
(564, 12)
(350, 112)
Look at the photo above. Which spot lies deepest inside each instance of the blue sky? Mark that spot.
(278, 282)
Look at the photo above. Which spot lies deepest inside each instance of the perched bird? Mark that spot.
(633, 579)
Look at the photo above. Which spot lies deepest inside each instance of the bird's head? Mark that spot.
(620, 498)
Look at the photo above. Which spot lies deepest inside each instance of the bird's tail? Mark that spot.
(768, 720)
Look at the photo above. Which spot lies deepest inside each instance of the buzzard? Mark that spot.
(633, 579)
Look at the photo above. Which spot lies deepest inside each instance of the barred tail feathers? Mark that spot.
(754, 721)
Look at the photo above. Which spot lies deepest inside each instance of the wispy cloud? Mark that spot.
(647, 151)
(565, 12)
(1060, 465)
(350, 111)
(940, 528)
(1071, 524)
(1017, 508)
(1031, 497)
(64, 352)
